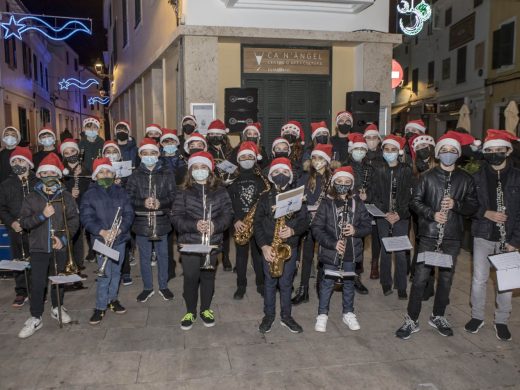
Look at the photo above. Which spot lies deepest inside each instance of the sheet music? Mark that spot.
(14, 265)
(506, 260)
(289, 202)
(374, 211)
(63, 279)
(123, 168)
(227, 166)
(508, 279)
(338, 273)
(196, 248)
(105, 250)
(435, 259)
(396, 244)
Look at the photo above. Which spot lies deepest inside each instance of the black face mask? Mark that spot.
(281, 154)
(252, 139)
(188, 129)
(322, 139)
(421, 165)
(495, 158)
(72, 159)
(216, 140)
(342, 189)
(423, 154)
(196, 150)
(281, 180)
(344, 128)
(121, 136)
(291, 138)
(19, 169)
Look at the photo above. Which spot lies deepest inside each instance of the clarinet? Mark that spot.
(365, 180)
(440, 226)
(501, 208)
(393, 199)
(321, 196)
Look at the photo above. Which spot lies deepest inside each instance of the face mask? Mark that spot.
(113, 157)
(9, 140)
(281, 180)
(195, 150)
(342, 189)
(291, 138)
(344, 128)
(216, 140)
(421, 165)
(91, 133)
(122, 136)
(19, 169)
(318, 164)
(448, 159)
(373, 144)
(358, 155)
(105, 182)
(252, 139)
(390, 157)
(188, 129)
(47, 141)
(51, 182)
(281, 154)
(423, 154)
(200, 174)
(495, 158)
(170, 149)
(247, 164)
(149, 160)
(322, 139)
(72, 159)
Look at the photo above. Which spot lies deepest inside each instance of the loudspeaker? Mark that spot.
(237, 120)
(241, 99)
(363, 119)
(363, 101)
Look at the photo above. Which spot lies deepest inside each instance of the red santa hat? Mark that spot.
(371, 130)
(280, 140)
(346, 115)
(356, 140)
(101, 163)
(22, 153)
(110, 143)
(189, 118)
(148, 144)
(202, 158)
(248, 147)
(120, 124)
(294, 127)
(257, 126)
(152, 127)
(11, 128)
(317, 127)
(93, 120)
(421, 139)
(52, 163)
(217, 127)
(347, 171)
(395, 140)
(280, 163)
(195, 136)
(46, 130)
(416, 124)
(496, 138)
(455, 139)
(324, 151)
(170, 134)
(69, 143)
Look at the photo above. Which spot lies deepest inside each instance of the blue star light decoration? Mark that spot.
(96, 99)
(66, 83)
(16, 27)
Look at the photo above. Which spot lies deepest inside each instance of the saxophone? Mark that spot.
(244, 236)
(282, 251)
(501, 208)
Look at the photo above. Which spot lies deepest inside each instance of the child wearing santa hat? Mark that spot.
(126, 142)
(91, 143)
(252, 133)
(10, 139)
(340, 224)
(344, 122)
(171, 155)
(47, 139)
(50, 214)
(293, 132)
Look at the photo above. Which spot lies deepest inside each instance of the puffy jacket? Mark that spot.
(326, 230)
(32, 218)
(12, 195)
(340, 148)
(187, 211)
(84, 181)
(427, 197)
(92, 150)
(264, 221)
(5, 166)
(244, 192)
(178, 165)
(483, 227)
(363, 173)
(129, 151)
(138, 188)
(98, 210)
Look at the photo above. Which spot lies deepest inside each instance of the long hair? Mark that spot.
(311, 183)
(212, 182)
(430, 162)
(296, 151)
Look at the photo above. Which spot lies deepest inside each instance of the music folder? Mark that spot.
(65, 279)
(396, 244)
(436, 259)
(336, 273)
(374, 210)
(196, 248)
(508, 270)
(289, 202)
(105, 250)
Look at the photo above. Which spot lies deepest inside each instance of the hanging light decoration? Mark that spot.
(418, 15)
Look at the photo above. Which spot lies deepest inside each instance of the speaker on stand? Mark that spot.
(241, 108)
(365, 107)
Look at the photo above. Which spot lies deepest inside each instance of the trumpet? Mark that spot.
(206, 236)
(152, 215)
(116, 224)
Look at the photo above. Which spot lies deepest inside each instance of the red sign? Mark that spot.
(397, 74)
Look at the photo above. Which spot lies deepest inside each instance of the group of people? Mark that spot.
(195, 188)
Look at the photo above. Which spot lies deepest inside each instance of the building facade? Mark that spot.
(303, 56)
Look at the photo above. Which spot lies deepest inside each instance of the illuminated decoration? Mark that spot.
(65, 84)
(420, 13)
(21, 23)
(96, 99)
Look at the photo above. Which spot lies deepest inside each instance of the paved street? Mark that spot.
(146, 349)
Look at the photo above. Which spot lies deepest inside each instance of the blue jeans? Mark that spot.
(285, 283)
(145, 257)
(108, 287)
(327, 288)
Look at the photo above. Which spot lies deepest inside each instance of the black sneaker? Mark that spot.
(441, 324)
(239, 294)
(387, 290)
(187, 321)
(291, 324)
(166, 294)
(402, 295)
(97, 316)
(473, 325)
(208, 317)
(503, 332)
(145, 295)
(408, 328)
(360, 287)
(116, 307)
(266, 325)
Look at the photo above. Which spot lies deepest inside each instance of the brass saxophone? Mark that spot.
(244, 236)
(282, 251)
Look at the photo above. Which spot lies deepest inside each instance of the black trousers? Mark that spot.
(17, 240)
(242, 253)
(225, 248)
(78, 249)
(171, 259)
(308, 245)
(42, 265)
(130, 245)
(376, 244)
(194, 278)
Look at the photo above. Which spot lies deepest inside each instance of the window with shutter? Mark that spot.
(507, 37)
(461, 64)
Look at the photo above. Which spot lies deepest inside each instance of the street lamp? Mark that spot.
(98, 66)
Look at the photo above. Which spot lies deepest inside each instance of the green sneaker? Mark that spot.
(187, 321)
(208, 318)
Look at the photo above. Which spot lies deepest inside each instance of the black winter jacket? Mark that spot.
(483, 227)
(244, 192)
(5, 165)
(12, 195)
(138, 188)
(427, 197)
(92, 150)
(84, 181)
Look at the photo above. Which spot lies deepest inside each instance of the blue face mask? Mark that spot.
(448, 159)
(170, 149)
(91, 133)
(358, 155)
(9, 140)
(200, 174)
(149, 160)
(47, 141)
(390, 157)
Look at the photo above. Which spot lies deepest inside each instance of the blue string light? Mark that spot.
(96, 99)
(66, 83)
(15, 28)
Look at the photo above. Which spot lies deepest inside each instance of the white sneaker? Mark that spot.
(65, 318)
(321, 323)
(351, 321)
(31, 325)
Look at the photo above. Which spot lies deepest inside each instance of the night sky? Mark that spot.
(89, 48)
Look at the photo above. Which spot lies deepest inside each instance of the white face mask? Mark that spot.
(91, 133)
(113, 157)
(247, 164)
(9, 140)
(200, 174)
(358, 155)
(316, 164)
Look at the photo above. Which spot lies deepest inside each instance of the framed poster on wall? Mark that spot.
(205, 114)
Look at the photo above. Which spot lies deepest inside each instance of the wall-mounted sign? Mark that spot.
(462, 32)
(397, 74)
(205, 114)
(286, 60)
